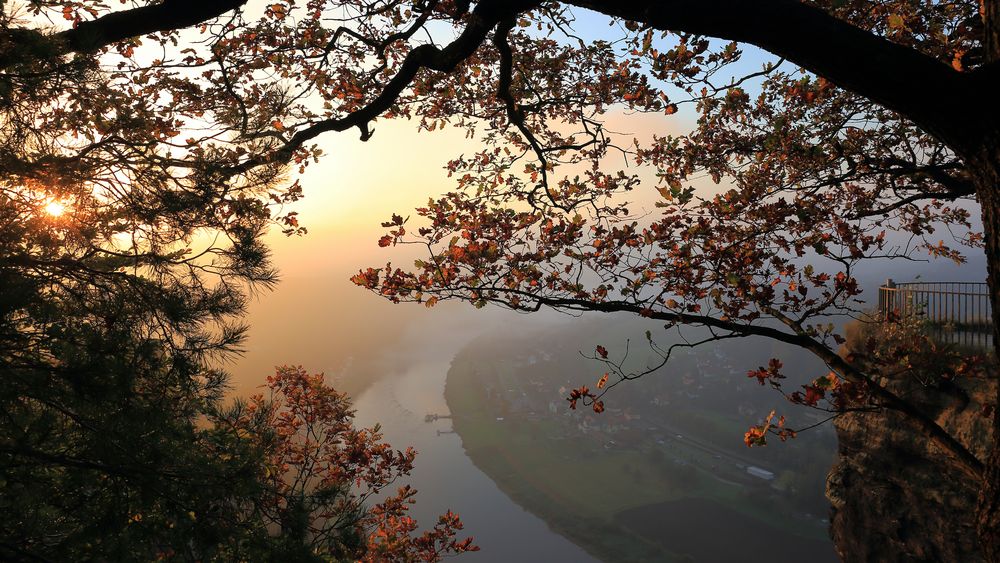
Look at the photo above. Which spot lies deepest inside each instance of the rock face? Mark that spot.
(895, 497)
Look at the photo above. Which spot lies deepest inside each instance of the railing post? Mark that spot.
(885, 298)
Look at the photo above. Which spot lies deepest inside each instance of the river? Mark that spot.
(444, 476)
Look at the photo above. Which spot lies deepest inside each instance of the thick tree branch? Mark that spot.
(169, 15)
(897, 77)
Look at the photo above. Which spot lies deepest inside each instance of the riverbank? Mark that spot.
(620, 502)
(444, 477)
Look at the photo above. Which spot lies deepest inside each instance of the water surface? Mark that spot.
(444, 476)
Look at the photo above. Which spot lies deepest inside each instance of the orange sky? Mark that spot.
(315, 316)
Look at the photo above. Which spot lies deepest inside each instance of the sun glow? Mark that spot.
(55, 209)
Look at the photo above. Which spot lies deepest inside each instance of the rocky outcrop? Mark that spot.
(896, 497)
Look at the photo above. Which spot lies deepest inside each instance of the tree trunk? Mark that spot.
(986, 175)
(987, 178)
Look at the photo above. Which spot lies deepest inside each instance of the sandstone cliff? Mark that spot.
(895, 497)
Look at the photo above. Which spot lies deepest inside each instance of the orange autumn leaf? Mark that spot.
(278, 10)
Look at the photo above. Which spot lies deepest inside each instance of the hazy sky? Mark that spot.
(316, 317)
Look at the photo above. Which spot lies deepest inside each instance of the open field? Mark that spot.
(679, 526)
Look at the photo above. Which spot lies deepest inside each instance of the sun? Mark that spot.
(55, 209)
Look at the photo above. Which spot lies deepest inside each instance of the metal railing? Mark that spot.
(954, 312)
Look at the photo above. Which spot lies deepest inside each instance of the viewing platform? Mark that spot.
(952, 312)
